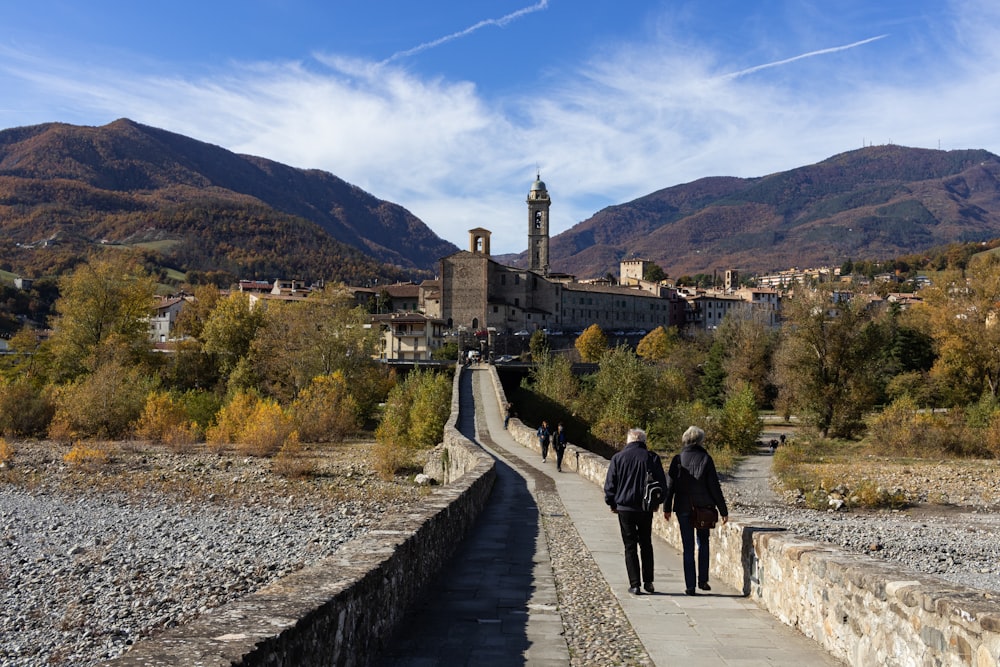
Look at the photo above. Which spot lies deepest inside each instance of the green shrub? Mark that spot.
(103, 404)
(413, 420)
(200, 406)
(26, 409)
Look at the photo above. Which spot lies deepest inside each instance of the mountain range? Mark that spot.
(65, 188)
(66, 191)
(874, 203)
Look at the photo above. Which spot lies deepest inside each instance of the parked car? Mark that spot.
(522, 332)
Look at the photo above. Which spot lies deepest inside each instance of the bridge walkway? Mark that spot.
(497, 604)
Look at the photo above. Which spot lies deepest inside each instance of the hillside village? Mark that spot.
(494, 309)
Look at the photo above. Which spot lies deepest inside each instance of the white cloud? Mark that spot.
(632, 121)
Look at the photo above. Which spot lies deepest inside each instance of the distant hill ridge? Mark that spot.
(877, 202)
(208, 207)
(65, 189)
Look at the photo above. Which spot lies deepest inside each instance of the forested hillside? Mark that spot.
(66, 189)
(877, 202)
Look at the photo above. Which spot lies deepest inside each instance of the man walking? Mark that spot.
(544, 437)
(623, 492)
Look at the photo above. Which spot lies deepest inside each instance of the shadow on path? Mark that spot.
(476, 612)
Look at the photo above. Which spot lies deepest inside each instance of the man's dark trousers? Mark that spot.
(637, 535)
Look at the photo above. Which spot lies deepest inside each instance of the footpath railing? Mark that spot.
(862, 610)
(340, 610)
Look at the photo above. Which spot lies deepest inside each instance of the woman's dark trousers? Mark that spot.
(688, 542)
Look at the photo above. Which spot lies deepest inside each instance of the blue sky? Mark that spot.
(448, 108)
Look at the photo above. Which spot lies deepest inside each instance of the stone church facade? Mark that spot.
(479, 293)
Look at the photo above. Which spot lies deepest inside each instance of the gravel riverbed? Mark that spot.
(958, 542)
(92, 561)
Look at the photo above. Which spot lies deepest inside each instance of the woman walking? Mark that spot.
(693, 482)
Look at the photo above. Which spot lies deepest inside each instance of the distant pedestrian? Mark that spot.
(507, 414)
(624, 488)
(559, 444)
(544, 438)
(693, 482)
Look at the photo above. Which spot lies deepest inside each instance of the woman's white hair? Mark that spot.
(693, 436)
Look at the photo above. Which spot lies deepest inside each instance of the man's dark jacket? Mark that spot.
(693, 480)
(626, 481)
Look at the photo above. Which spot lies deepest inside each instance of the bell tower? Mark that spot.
(538, 227)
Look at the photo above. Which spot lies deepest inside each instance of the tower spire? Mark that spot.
(538, 226)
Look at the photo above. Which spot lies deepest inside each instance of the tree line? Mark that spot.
(260, 379)
(917, 380)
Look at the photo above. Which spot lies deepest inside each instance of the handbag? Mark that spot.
(704, 517)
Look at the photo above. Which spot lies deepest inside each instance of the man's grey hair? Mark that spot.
(693, 436)
(635, 435)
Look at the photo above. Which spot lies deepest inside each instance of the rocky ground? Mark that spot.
(950, 530)
(95, 558)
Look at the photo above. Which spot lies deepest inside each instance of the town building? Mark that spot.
(164, 317)
(478, 293)
(408, 336)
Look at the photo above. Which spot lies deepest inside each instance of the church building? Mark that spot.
(480, 293)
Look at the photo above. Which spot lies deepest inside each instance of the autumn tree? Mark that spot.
(621, 395)
(657, 344)
(26, 407)
(962, 315)
(318, 336)
(749, 342)
(325, 411)
(229, 330)
(827, 363)
(104, 403)
(197, 311)
(102, 314)
(592, 343)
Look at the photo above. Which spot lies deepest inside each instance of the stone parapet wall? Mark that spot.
(862, 610)
(340, 610)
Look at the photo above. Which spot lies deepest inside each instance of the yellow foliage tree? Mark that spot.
(325, 411)
(592, 344)
(103, 312)
(656, 345)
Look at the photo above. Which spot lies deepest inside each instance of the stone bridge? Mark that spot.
(510, 563)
